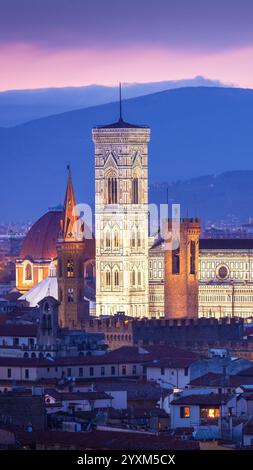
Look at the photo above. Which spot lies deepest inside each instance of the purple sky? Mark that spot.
(74, 42)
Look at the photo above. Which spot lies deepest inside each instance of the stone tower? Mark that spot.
(70, 269)
(121, 218)
(181, 272)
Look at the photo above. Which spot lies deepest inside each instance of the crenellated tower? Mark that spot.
(181, 272)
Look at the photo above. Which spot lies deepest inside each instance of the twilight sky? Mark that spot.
(77, 42)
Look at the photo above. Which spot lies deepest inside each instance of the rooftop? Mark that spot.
(121, 124)
(205, 399)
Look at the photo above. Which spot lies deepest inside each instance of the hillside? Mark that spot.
(194, 132)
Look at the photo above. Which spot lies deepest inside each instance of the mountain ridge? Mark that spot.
(194, 132)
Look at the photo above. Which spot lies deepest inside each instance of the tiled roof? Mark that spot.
(121, 124)
(212, 399)
(171, 363)
(124, 355)
(78, 395)
(217, 380)
(113, 440)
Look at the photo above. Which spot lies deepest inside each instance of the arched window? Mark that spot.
(108, 239)
(139, 278)
(112, 190)
(133, 236)
(108, 278)
(28, 272)
(70, 295)
(116, 278)
(139, 239)
(116, 239)
(70, 268)
(135, 191)
(133, 277)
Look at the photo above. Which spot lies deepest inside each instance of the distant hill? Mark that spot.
(209, 197)
(19, 106)
(194, 132)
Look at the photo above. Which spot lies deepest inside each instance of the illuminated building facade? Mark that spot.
(121, 219)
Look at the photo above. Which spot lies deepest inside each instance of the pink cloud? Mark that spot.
(25, 66)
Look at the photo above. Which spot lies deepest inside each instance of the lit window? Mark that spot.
(210, 413)
(28, 272)
(185, 412)
(70, 268)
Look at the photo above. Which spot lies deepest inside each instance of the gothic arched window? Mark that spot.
(116, 239)
(108, 239)
(112, 190)
(28, 272)
(135, 191)
(139, 278)
(133, 236)
(70, 268)
(108, 278)
(139, 239)
(116, 278)
(133, 277)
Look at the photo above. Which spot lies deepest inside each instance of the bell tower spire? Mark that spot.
(70, 270)
(70, 216)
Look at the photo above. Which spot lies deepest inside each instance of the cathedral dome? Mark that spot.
(40, 241)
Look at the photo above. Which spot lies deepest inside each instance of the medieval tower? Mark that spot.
(70, 269)
(121, 218)
(181, 272)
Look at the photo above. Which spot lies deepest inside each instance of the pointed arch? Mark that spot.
(108, 277)
(111, 185)
(134, 276)
(107, 239)
(116, 277)
(116, 238)
(134, 237)
(139, 277)
(139, 238)
(28, 272)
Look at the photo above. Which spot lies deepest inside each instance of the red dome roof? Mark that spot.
(40, 242)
